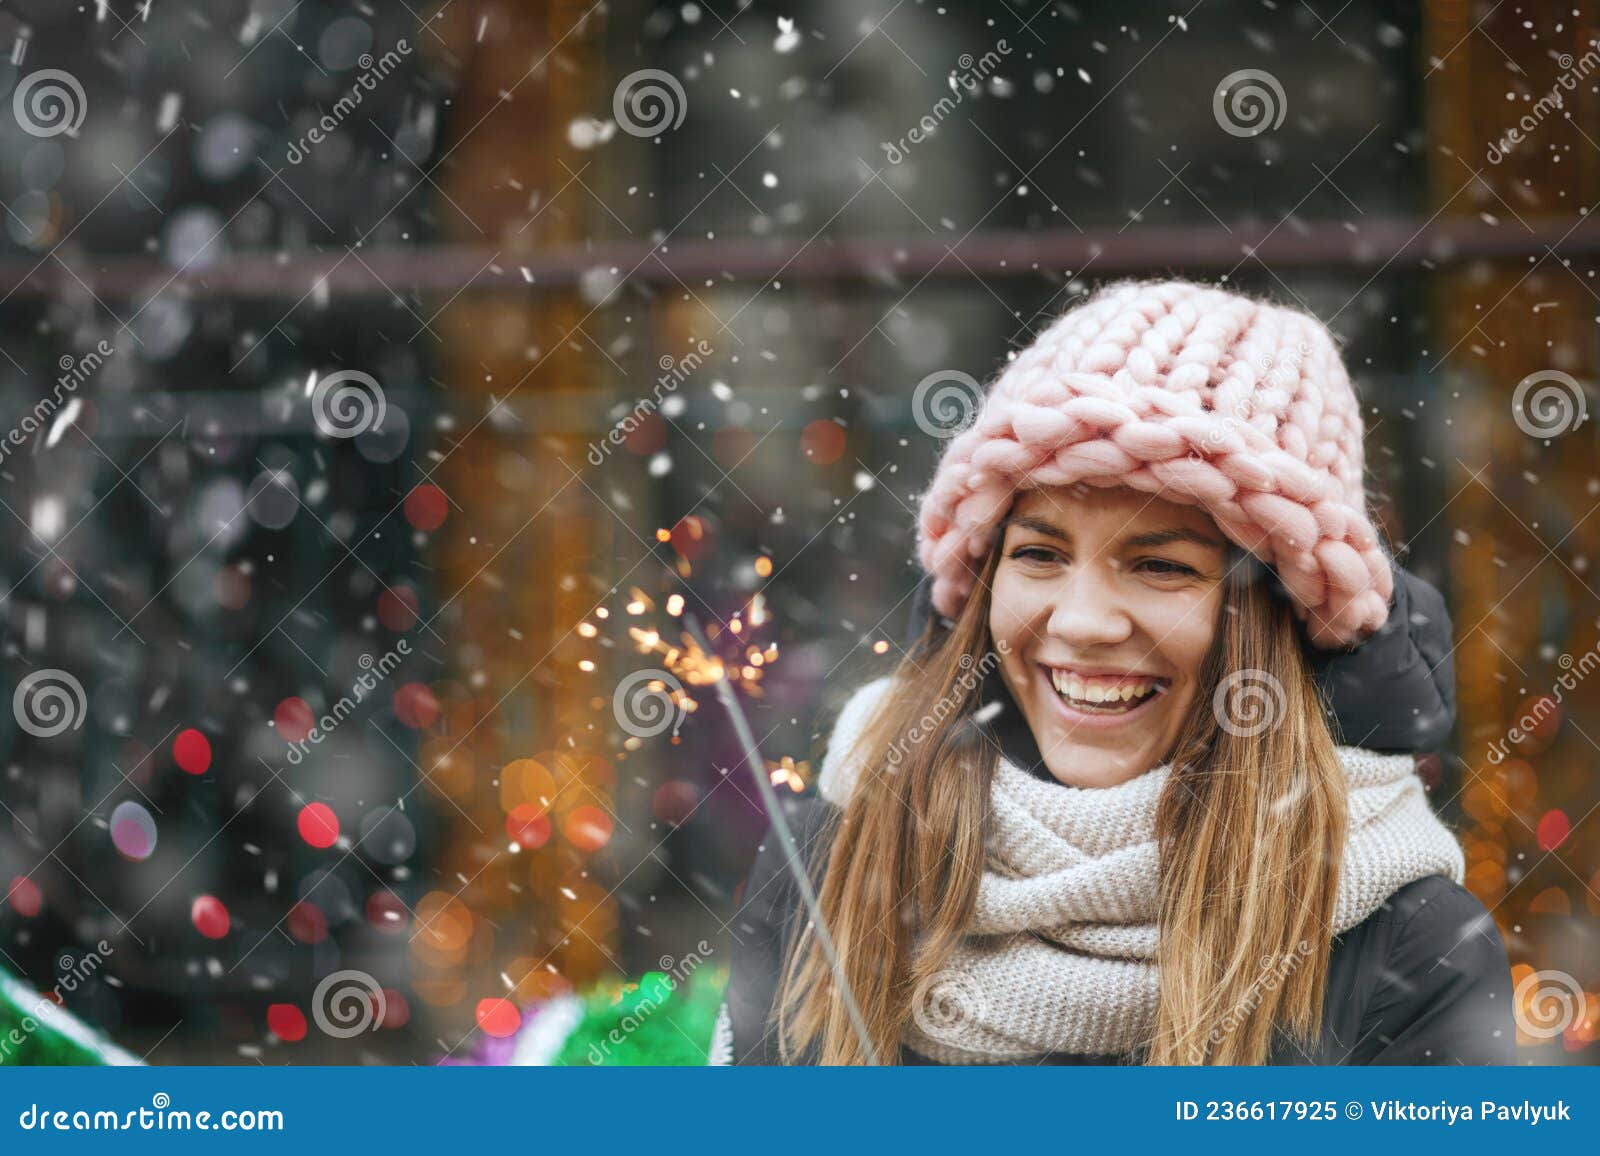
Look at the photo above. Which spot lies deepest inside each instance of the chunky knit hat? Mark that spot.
(1207, 397)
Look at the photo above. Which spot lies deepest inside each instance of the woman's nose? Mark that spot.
(1090, 608)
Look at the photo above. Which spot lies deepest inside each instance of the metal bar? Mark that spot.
(1144, 249)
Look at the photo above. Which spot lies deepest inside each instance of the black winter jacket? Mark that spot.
(1423, 980)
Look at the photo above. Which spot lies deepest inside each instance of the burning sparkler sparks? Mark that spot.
(661, 697)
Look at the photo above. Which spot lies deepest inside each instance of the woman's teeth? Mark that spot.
(1113, 696)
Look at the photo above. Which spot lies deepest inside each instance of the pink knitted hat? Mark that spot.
(1239, 406)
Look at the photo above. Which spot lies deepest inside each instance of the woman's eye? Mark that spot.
(1166, 568)
(1033, 554)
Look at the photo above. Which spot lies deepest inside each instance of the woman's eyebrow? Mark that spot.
(1147, 540)
(1166, 537)
(1037, 525)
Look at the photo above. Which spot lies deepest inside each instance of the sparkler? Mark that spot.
(791, 853)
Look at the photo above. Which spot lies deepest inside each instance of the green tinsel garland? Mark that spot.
(652, 1022)
(37, 1032)
(655, 1021)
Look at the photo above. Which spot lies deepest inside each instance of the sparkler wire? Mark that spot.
(791, 853)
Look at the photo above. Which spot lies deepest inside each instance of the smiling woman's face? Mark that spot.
(1106, 602)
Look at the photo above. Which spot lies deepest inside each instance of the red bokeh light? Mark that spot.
(498, 1017)
(528, 826)
(822, 442)
(648, 435)
(674, 801)
(191, 750)
(396, 1010)
(587, 828)
(1553, 829)
(287, 1022)
(24, 896)
(415, 705)
(294, 719)
(397, 608)
(427, 507)
(692, 538)
(209, 916)
(318, 825)
(307, 922)
(386, 912)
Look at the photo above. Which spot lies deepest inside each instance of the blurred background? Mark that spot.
(387, 380)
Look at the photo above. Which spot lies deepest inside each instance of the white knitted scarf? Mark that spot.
(1061, 953)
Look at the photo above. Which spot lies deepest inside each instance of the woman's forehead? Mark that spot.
(1117, 506)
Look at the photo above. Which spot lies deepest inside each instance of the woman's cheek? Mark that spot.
(1186, 627)
(1178, 625)
(1008, 612)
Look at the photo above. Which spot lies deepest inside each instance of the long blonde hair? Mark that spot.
(1251, 829)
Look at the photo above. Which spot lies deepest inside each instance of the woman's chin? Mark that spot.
(1104, 750)
(1077, 765)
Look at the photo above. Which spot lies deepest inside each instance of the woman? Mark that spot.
(1098, 814)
